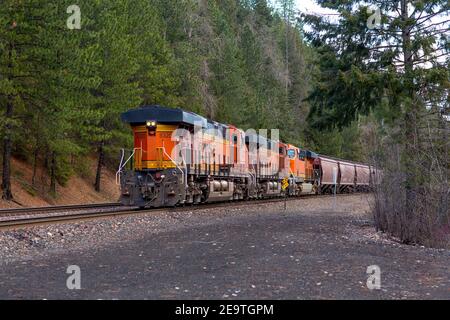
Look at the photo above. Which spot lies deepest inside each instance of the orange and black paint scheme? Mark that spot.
(221, 169)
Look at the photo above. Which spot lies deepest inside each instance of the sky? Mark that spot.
(307, 6)
(310, 6)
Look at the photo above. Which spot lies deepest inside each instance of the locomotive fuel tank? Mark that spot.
(220, 190)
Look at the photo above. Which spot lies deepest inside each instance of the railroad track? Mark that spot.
(17, 211)
(40, 219)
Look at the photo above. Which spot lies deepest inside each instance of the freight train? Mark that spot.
(180, 157)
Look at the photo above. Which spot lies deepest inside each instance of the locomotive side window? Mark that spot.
(235, 149)
(302, 155)
(291, 153)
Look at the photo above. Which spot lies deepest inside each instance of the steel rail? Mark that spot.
(16, 211)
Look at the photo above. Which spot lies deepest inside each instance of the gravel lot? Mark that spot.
(316, 249)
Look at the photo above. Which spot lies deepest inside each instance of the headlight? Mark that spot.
(151, 123)
(151, 127)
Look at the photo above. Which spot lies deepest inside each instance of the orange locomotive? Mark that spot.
(180, 158)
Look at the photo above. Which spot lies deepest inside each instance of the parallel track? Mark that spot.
(80, 216)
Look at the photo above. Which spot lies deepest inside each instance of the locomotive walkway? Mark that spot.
(262, 252)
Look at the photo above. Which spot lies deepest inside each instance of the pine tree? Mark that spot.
(70, 74)
(117, 91)
(157, 73)
(287, 11)
(19, 68)
(393, 59)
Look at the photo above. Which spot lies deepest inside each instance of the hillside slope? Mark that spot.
(79, 190)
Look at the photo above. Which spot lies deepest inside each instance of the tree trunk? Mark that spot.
(101, 159)
(53, 174)
(410, 125)
(287, 22)
(35, 158)
(36, 153)
(7, 144)
(445, 215)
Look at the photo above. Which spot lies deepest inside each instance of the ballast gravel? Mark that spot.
(41, 241)
(315, 248)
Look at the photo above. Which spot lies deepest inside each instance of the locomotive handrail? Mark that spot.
(121, 166)
(121, 158)
(253, 176)
(182, 172)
